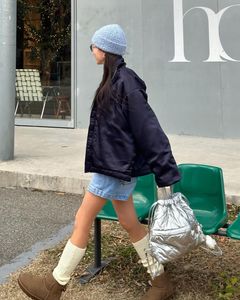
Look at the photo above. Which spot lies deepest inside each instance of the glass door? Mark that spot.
(44, 86)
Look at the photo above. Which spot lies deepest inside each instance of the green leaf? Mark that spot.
(234, 280)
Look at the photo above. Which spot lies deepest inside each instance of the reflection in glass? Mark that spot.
(44, 49)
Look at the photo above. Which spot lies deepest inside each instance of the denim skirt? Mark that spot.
(111, 188)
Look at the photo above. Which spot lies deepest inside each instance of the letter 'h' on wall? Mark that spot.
(216, 51)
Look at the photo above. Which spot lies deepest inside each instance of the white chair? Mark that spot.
(29, 89)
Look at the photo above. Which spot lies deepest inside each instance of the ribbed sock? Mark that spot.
(70, 258)
(153, 266)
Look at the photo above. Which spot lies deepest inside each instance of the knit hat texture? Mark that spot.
(110, 38)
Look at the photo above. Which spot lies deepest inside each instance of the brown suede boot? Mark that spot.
(40, 288)
(161, 288)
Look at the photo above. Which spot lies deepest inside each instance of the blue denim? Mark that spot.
(111, 188)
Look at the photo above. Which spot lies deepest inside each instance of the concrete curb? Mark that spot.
(44, 182)
(60, 184)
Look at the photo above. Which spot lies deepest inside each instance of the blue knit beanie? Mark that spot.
(110, 38)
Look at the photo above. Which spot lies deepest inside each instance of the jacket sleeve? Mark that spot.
(150, 139)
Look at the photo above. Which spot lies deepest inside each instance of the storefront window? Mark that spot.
(43, 84)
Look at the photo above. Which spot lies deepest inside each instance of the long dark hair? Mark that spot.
(104, 92)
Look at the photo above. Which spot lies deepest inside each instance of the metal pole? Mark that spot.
(97, 243)
(8, 9)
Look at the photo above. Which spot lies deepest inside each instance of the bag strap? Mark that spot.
(165, 193)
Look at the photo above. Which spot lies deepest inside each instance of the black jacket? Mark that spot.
(127, 140)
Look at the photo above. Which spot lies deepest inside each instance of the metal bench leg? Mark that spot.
(99, 265)
(97, 244)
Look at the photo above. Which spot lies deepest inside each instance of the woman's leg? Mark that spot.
(85, 216)
(161, 285)
(138, 234)
(52, 285)
(128, 219)
(76, 246)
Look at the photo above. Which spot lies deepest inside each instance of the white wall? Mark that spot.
(196, 97)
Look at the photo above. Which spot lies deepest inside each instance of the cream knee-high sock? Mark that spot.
(153, 266)
(69, 259)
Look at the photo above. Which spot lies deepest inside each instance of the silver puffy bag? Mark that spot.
(174, 230)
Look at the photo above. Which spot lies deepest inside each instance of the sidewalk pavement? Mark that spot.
(53, 159)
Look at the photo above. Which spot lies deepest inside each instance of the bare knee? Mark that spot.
(82, 222)
(87, 211)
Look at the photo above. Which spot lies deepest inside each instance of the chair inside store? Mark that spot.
(29, 90)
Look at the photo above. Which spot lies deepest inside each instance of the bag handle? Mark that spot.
(165, 193)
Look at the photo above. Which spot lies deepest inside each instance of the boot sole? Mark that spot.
(26, 291)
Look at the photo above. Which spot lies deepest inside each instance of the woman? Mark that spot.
(124, 141)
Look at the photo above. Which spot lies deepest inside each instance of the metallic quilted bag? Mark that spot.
(174, 230)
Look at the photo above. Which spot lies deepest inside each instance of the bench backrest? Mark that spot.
(203, 186)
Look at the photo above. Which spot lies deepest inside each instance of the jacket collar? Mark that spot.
(120, 62)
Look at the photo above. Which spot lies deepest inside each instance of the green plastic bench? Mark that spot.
(144, 195)
(233, 230)
(203, 186)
